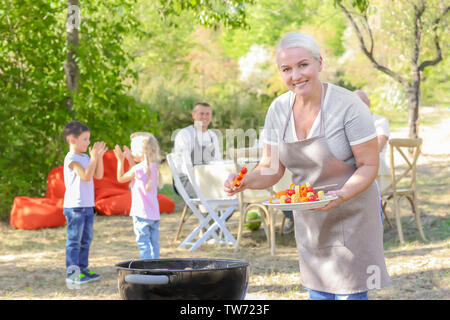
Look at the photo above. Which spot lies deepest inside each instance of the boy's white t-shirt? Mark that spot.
(79, 193)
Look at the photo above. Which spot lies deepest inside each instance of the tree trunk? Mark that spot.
(70, 67)
(413, 110)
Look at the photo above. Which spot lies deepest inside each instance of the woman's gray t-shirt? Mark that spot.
(347, 122)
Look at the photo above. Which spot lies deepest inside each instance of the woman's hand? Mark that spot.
(366, 157)
(267, 173)
(341, 198)
(228, 185)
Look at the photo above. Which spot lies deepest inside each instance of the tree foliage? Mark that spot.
(416, 32)
(209, 13)
(33, 51)
(143, 64)
(32, 55)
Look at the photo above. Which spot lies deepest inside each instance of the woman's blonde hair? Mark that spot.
(299, 40)
(147, 146)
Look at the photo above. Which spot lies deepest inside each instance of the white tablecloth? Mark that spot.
(211, 177)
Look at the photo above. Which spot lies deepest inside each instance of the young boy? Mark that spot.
(79, 171)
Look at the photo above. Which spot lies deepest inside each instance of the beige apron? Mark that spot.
(341, 250)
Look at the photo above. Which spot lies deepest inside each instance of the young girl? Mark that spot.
(144, 183)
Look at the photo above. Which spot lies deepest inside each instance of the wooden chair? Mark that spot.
(183, 219)
(393, 191)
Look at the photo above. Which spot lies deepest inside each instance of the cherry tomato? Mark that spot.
(290, 192)
(239, 177)
(244, 170)
(288, 200)
(309, 189)
(311, 198)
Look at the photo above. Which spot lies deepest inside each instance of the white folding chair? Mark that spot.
(217, 210)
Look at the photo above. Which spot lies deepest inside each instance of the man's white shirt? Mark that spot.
(184, 141)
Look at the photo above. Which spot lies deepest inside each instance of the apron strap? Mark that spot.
(321, 114)
(199, 149)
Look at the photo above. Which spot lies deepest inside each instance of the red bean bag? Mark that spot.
(110, 173)
(166, 204)
(55, 184)
(118, 205)
(36, 213)
(107, 192)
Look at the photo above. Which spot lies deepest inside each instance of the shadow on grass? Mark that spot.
(424, 285)
(434, 228)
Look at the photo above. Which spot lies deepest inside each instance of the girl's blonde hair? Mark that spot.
(147, 146)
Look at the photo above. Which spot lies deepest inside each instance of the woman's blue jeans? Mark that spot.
(319, 295)
(147, 237)
(80, 229)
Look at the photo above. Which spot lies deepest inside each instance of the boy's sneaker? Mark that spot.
(90, 275)
(73, 278)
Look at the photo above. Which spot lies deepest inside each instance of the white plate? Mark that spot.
(301, 205)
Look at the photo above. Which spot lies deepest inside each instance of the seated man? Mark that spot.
(199, 142)
(383, 133)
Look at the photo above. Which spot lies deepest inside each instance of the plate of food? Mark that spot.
(299, 197)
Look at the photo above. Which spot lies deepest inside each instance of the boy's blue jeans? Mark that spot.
(80, 229)
(147, 237)
(319, 295)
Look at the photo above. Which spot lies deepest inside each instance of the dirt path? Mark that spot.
(436, 137)
(32, 262)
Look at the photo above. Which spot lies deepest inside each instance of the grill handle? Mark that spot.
(147, 279)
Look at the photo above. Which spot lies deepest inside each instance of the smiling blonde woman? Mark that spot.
(324, 134)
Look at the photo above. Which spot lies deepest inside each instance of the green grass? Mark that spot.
(168, 190)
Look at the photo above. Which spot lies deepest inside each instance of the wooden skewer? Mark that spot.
(327, 186)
